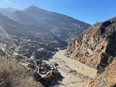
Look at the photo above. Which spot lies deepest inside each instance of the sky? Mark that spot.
(90, 11)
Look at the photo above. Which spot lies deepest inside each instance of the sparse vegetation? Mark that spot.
(100, 69)
(110, 59)
(12, 74)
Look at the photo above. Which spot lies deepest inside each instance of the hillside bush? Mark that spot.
(13, 74)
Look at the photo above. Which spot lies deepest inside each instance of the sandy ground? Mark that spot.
(75, 73)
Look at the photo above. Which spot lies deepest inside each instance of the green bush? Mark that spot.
(110, 59)
(100, 69)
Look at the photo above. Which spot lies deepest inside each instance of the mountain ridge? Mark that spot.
(49, 30)
(52, 21)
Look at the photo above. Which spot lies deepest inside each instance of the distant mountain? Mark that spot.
(61, 25)
(34, 29)
(29, 36)
(7, 11)
(14, 28)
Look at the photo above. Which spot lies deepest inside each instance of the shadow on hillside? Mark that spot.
(110, 50)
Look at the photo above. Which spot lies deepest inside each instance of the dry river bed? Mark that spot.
(75, 73)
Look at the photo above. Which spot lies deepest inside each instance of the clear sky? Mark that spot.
(89, 11)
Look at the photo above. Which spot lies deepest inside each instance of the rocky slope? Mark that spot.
(107, 78)
(96, 45)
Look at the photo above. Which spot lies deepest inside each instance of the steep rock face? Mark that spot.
(95, 45)
(107, 78)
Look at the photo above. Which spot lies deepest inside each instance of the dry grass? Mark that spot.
(12, 74)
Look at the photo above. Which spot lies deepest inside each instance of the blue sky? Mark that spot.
(89, 11)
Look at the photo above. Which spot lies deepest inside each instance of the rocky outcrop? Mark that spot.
(106, 79)
(95, 45)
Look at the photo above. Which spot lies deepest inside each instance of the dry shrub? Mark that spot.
(13, 74)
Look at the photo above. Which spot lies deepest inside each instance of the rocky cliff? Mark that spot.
(107, 78)
(96, 45)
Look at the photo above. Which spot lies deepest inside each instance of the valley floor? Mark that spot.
(75, 73)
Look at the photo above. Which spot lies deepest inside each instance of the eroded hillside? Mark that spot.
(107, 78)
(96, 45)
